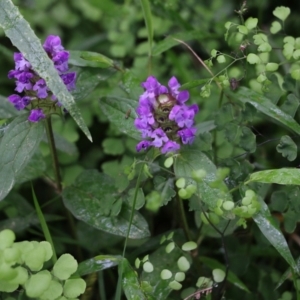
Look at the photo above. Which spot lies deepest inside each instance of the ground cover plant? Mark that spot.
(148, 150)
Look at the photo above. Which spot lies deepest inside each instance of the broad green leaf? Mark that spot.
(88, 79)
(89, 59)
(205, 126)
(98, 263)
(34, 169)
(148, 20)
(140, 198)
(264, 105)
(7, 110)
(63, 145)
(194, 83)
(270, 230)
(121, 112)
(130, 282)
(231, 277)
(290, 105)
(23, 37)
(287, 148)
(248, 139)
(189, 160)
(279, 201)
(170, 41)
(161, 260)
(132, 86)
(113, 146)
(280, 176)
(17, 146)
(93, 199)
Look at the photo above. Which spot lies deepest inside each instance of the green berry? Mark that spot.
(180, 183)
(165, 274)
(184, 194)
(218, 211)
(203, 218)
(214, 218)
(174, 285)
(183, 264)
(191, 189)
(228, 205)
(188, 246)
(169, 162)
(218, 275)
(170, 247)
(246, 201)
(198, 175)
(148, 267)
(179, 276)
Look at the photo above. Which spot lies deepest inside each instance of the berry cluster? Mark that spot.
(163, 118)
(33, 91)
(21, 264)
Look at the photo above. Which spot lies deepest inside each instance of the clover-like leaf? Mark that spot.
(281, 12)
(275, 27)
(287, 148)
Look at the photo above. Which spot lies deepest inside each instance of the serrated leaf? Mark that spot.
(287, 148)
(23, 37)
(130, 282)
(231, 277)
(116, 109)
(247, 139)
(165, 187)
(98, 263)
(93, 199)
(89, 59)
(190, 160)
(278, 176)
(265, 106)
(17, 146)
(270, 230)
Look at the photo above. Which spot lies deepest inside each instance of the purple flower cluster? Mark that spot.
(33, 91)
(164, 119)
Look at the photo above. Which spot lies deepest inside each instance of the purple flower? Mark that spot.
(18, 101)
(31, 86)
(36, 115)
(163, 116)
(41, 89)
(143, 145)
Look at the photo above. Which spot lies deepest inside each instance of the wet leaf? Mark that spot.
(89, 59)
(265, 106)
(98, 263)
(279, 176)
(270, 230)
(17, 147)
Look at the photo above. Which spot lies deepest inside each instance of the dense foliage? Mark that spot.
(148, 150)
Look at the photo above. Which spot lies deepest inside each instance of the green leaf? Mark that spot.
(7, 110)
(113, 146)
(165, 187)
(140, 199)
(279, 201)
(194, 83)
(248, 140)
(63, 145)
(23, 37)
(148, 20)
(170, 41)
(93, 199)
(132, 86)
(243, 29)
(89, 59)
(98, 263)
(279, 176)
(130, 282)
(88, 79)
(190, 160)
(116, 109)
(253, 59)
(275, 27)
(287, 148)
(17, 146)
(251, 23)
(281, 12)
(231, 277)
(265, 106)
(270, 230)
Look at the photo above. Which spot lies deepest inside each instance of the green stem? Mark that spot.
(53, 153)
(55, 163)
(183, 219)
